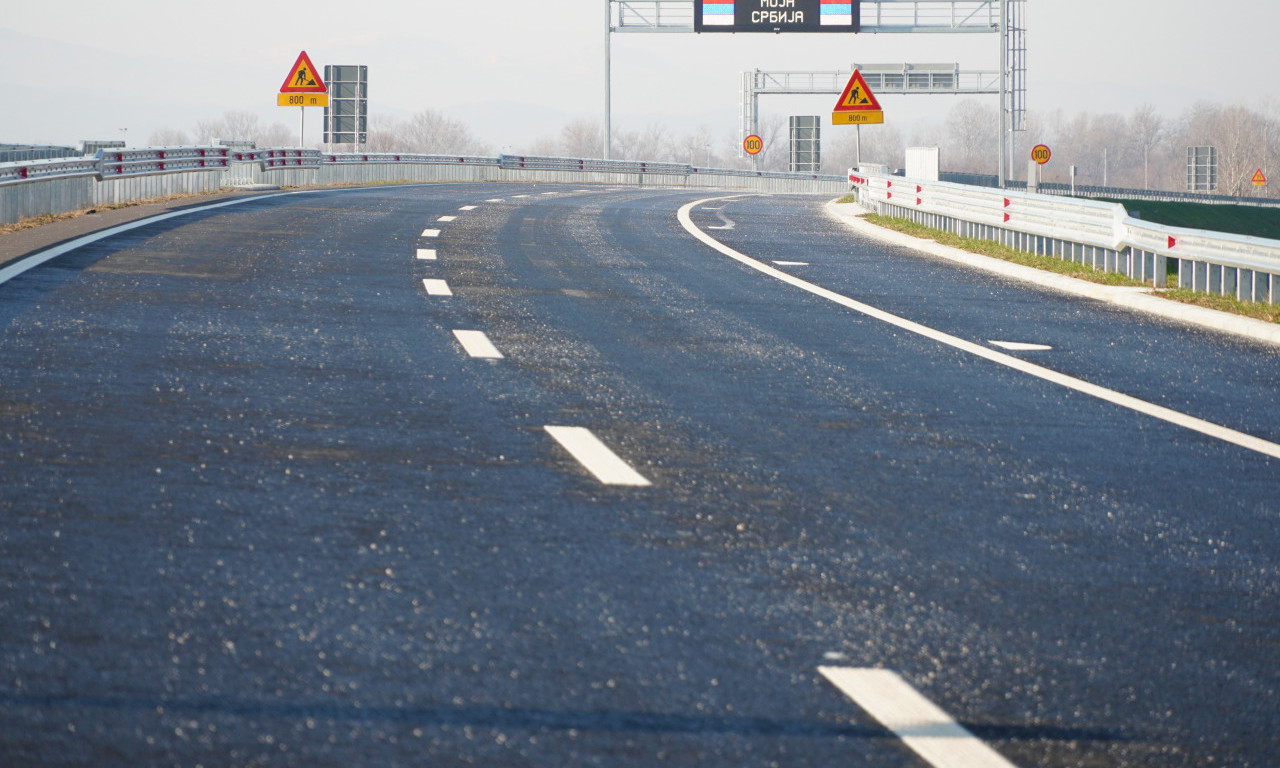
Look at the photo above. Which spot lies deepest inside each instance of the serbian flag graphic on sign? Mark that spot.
(837, 12)
(717, 13)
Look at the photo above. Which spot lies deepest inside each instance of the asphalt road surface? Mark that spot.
(522, 475)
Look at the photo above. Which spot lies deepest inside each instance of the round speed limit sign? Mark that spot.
(1041, 154)
(753, 144)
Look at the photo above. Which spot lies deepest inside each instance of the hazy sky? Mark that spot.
(516, 70)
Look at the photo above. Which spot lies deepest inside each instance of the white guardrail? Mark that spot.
(1102, 235)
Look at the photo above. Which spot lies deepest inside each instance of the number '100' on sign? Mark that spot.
(753, 144)
(1041, 154)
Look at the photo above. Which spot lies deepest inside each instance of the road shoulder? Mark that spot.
(1135, 299)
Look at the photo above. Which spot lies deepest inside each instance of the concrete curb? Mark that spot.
(1135, 299)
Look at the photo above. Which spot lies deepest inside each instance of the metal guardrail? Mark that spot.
(133, 162)
(1093, 232)
(280, 158)
(1102, 235)
(31, 170)
(387, 157)
(115, 163)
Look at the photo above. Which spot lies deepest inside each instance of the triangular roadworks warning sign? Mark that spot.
(857, 104)
(303, 78)
(1259, 179)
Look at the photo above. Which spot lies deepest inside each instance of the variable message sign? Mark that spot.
(776, 16)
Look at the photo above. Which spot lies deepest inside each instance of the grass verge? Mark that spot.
(1256, 310)
(1004, 253)
(1267, 312)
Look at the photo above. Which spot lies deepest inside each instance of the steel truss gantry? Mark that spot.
(892, 79)
(1005, 18)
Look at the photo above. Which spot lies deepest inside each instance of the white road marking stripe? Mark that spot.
(426, 254)
(595, 456)
(436, 287)
(1192, 423)
(792, 263)
(923, 727)
(476, 344)
(467, 208)
(728, 223)
(31, 262)
(1018, 346)
(430, 233)
(446, 219)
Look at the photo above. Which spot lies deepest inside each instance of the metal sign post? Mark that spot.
(303, 88)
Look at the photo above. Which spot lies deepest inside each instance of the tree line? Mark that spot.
(1140, 150)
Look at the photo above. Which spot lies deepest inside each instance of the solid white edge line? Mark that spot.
(427, 254)
(1192, 423)
(595, 456)
(477, 344)
(436, 287)
(29, 262)
(36, 259)
(923, 727)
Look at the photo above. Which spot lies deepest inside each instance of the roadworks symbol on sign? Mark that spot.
(857, 104)
(1259, 179)
(303, 78)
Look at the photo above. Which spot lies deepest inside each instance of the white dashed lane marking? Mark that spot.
(792, 263)
(923, 727)
(430, 233)
(427, 254)
(477, 344)
(436, 287)
(596, 457)
(467, 208)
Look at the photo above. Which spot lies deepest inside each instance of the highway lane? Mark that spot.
(263, 507)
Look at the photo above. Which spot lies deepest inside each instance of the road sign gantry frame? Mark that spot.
(1004, 18)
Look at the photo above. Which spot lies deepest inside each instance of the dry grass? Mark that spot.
(1004, 253)
(40, 221)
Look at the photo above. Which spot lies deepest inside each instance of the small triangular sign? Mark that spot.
(1259, 179)
(303, 78)
(857, 97)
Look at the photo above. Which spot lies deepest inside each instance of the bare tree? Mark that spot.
(582, 138)
(431, 132)
(243, 126)
(1146, 129)
(168, 137)
(971, 137)
(277, 135)
(881, 144)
